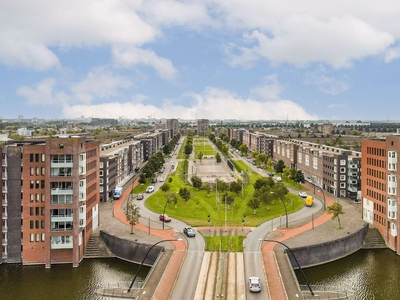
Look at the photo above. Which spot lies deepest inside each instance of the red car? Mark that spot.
(164, 218)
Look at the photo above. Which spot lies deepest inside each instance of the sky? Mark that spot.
(213, 59)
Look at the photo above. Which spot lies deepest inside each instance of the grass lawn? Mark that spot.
(227, 243)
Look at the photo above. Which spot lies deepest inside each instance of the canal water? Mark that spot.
(364, 275)
(63, 282)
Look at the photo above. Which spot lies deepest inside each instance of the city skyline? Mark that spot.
(251, 60)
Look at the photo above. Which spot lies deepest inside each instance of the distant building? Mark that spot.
(203, 126)
(25, 132)
(174, 125)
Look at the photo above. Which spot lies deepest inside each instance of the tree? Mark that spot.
(171, 197)
(279, 166)
(336, 209)
(221, 185)
(165, 187)
(132, 214)
(185, 194)
(218, 157)
(243, 149)
(207, 187)
(142, 178)
(265, 181)
(196, 181)
(228, 198)
(254, 204)
(286, 172)
(200, 155)
(236, 187)
(270, 163)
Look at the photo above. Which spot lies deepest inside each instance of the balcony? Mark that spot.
(62, 242)
(4, 216)
(62, 191)
(4, 242)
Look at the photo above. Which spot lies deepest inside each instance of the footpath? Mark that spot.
(280, 280)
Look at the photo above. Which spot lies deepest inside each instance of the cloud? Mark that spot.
(392, 54)
(212, 103)
(325, 84)
(270, 89)
(302, 39)
(100, 83)
(133, 56)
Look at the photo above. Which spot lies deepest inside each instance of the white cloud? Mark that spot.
(324, 83)
(213, 103)
(42, 94)
(133, 56)
(270, 89)
(392, 54)
(302, 39)
(98, 84)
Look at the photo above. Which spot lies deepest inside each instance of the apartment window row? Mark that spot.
(36, 224)
(37, 197)
(379, 219)
(36, 211)
(38, 171)
(376, 162)
(376, 196)
(61, 199)
(62, 158)
(380, 208)
(376, 151)
(376, 184)
(37, 157)
(37, 237)
(38, 184)
(376, 173)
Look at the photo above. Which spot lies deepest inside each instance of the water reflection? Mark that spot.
(367, 274)
(63, 281)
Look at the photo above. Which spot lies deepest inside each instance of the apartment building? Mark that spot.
(379, 186)
(173, 124)
(285, 151)
(50, 197)
(119, 161)
(203, 126)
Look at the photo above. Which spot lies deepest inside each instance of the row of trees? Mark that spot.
(169, 147)
(188, 148)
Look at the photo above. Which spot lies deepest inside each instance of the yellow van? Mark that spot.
(309, 200)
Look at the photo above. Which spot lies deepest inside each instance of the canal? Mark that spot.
(63, 282)
(364, 275)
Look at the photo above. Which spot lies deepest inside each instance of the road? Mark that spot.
(198, 277)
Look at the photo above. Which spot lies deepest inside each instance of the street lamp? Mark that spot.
(298, 265)
(286, 214)
(165, 206)
(147, 253)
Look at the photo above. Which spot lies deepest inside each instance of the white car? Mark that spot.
(254, 284)
(150, 189)
(161, 178)
(303, 194)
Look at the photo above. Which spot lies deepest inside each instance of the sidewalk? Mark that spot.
(322, 229)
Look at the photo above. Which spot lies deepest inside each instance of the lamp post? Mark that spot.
(298, 265)
(147, 253)
(286, 214)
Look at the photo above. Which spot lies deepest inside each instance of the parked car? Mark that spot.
(254, 284)
(164, 218)
(303, 194)
(161, 178)
(150, 189)
(189, 232)
(154, 180)
(140, 197)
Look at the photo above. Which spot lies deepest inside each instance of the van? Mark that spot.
(309, 201)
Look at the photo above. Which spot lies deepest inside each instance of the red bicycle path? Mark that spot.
(274, 278)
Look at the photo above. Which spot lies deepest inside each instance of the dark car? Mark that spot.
(140, 197)
(154, 180)
(164, 218)
(189, 232)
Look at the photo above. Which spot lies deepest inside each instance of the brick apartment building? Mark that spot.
(50, 197)
(379, 188)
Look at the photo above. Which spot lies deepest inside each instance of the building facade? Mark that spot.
(55, 184)
(379, 187)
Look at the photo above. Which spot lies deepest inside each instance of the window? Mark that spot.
(31, 211)
(37, 184)
(61, 146)
(42, 224)
(342, 162)
(342, 170)
(32, 196)
(43, 173)
(32, 237)
(31, 224)
(342, 177)
(37, 237)
(31, 184)
(43, 157)
(42, 211)
(31, 157)
(37, 197)
(37, 224)
(32, 171)
(37, 211)
(43, 197)
(37, 157)
(43, 237)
